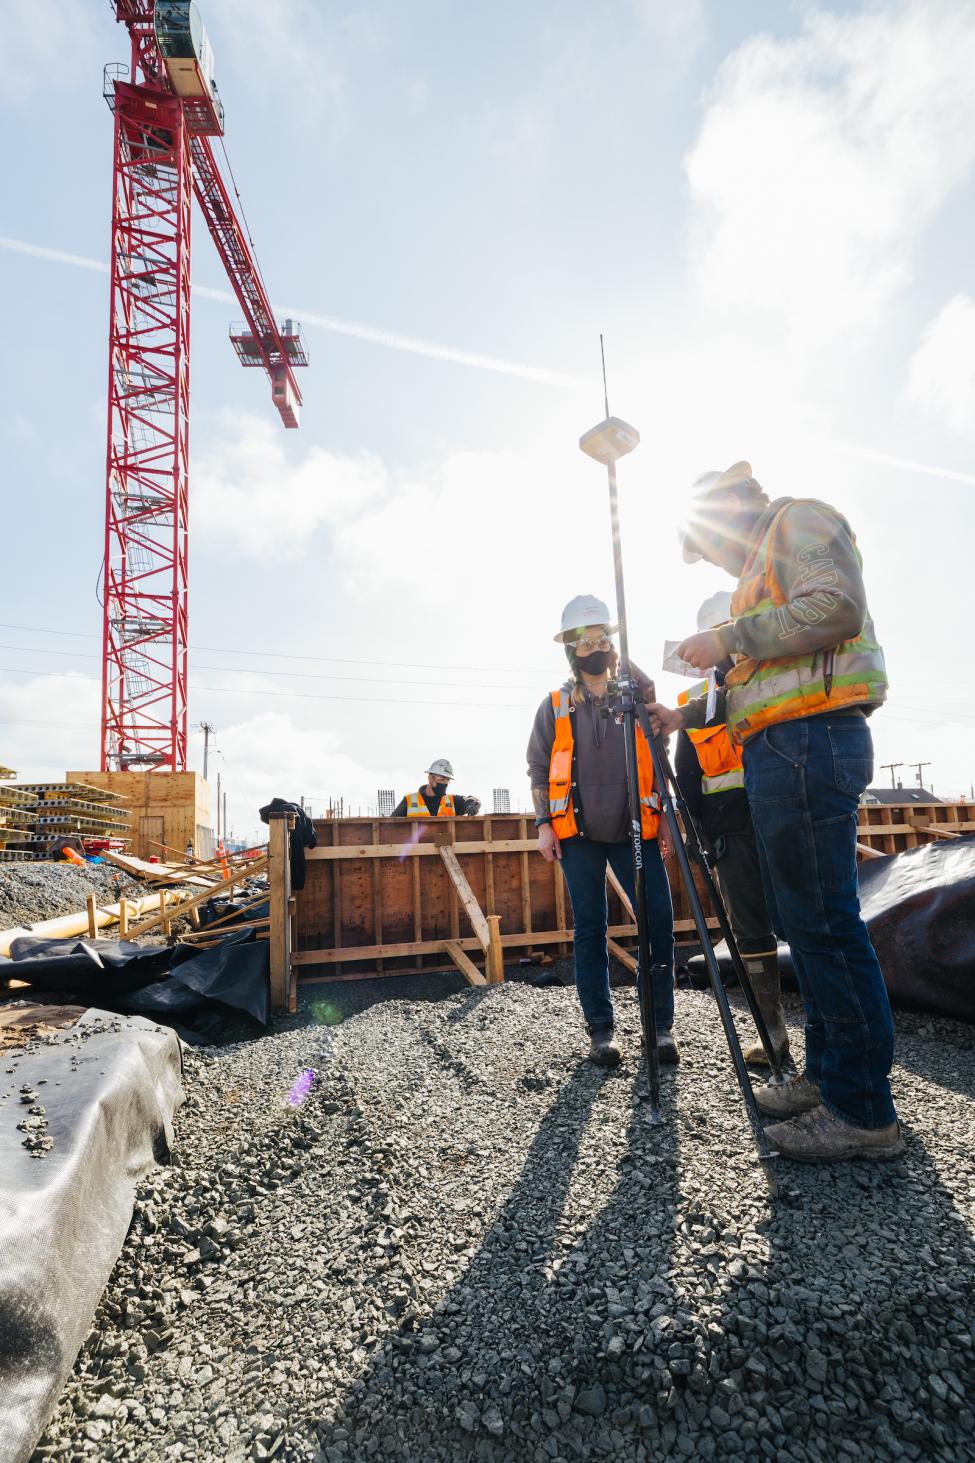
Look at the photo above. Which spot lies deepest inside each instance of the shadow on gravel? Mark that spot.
(848, 1341)
(938, 1051)
(522, 1348)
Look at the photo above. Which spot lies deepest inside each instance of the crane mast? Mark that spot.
(166, 110)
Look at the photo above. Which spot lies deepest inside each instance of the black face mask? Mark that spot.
(596, 663)
(440, 787)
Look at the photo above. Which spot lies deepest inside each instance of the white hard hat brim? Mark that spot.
(565, 636)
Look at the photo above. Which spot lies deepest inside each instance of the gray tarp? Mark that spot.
(919, 907)
(109, 1086)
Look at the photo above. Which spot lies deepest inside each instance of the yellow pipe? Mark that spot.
(67, 925)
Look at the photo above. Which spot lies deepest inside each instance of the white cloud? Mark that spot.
(270, 756)
(822, 160)
(49, 724)
(250, 492)
(942, 372)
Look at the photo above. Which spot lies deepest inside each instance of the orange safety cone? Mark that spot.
(224, 861)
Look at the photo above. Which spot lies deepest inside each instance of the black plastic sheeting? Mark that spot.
(919, 907)
(189, 989)
(110, 1087)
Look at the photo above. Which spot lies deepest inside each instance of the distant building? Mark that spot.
(502, 800)
(899, 795)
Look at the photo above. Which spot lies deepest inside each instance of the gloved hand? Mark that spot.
(472, 806)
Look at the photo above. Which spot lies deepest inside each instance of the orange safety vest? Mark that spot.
(760, 693)
(720, 760)
(417, 808)
(560, 774)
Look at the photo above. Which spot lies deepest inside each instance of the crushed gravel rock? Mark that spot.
(428, 1231)
(31, 892)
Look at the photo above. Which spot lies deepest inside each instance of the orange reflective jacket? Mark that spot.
(560, 774)
(720, 760)
(417, 808)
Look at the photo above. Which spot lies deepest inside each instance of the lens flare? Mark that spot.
(301, 1088)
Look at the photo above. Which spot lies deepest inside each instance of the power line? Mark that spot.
(286, 655)
(290, 695)
(243, 670)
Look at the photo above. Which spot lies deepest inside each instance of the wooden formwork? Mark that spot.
(393, 895)
(387, 896)
(893, 827)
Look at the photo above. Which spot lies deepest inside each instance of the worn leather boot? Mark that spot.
(604, 1049)
(763, 972)
(819, 1136)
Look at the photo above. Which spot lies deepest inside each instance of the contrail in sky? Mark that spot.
(372, 333)
(438, 352)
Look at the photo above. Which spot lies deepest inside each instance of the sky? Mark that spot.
(767, 209)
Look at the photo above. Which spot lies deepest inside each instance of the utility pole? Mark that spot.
(218, 807)
(919, 765)
(891, 767)
(225, 815)
(208, 731)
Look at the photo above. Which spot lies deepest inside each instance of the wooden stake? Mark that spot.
(92, 921)
(495, 952)
(123, 919)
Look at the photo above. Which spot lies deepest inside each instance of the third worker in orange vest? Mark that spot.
(433, 800)
(711, 775)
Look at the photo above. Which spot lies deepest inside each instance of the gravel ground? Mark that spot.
(463, 1242)
(30, 892)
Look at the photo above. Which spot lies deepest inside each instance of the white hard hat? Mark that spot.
(441, 768)
(585, 609)
(715, 611)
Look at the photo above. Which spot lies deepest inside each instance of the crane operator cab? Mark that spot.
(188, 58)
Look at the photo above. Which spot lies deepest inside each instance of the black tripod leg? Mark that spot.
(765, 1153)
(695, 843)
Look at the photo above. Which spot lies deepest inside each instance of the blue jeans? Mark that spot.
(584, 867)
(804, 779)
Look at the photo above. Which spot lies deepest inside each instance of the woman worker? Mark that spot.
(577, 768)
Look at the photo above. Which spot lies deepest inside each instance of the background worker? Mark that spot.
(577, 768)
(808, 671)
(711, 775)
(432, 800)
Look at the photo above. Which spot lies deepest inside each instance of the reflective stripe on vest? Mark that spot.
(417, 808)
(724, 781)
(560, 775)
(761, 693)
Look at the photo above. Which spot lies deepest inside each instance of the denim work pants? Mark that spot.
(584, 867)
(804, 779)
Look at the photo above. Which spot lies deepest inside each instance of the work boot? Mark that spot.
(787, 1099)
(667, 1048)
(604, 1049)
(819, 1136)
(763, 973)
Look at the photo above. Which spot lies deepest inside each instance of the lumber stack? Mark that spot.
(51, 810)
(17, 838)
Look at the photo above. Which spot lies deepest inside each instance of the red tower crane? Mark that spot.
(167, 109)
